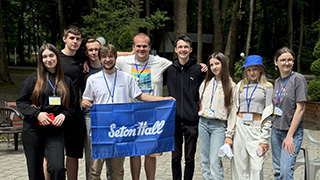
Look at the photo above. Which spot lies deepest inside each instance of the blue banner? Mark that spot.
(132, 129)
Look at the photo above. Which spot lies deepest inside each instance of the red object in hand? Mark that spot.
(51, 116)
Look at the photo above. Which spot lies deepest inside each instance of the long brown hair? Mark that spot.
(225, 78)
(42, 75)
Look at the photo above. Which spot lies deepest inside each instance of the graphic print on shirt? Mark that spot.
(282, 95)
(142, 76)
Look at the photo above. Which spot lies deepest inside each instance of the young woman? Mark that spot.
(42, 93)
(217, 115)
(288, 98)
(253, 122)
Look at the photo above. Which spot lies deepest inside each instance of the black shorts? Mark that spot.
(74, 134)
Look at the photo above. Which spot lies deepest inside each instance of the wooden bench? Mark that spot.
(11, 122)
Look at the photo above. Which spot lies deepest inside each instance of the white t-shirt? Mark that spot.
(148, 75)
(97, 90)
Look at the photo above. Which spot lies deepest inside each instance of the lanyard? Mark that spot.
(139, 74)
(214, 88)
(249, 100)
(90, 68)
(284, 85)
(114, 85)
(53, 87)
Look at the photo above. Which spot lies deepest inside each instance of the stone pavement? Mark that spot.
(13, 164)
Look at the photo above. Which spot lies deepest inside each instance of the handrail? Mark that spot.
(310, 137)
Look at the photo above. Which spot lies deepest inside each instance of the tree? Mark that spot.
(231, 46)
(250, 27)
(61, 16)
(117, 22)
(290, 24)
(199, 48)
(219, 10)
(21, 33)
(4, 72)
(300, 40)
(180, 18)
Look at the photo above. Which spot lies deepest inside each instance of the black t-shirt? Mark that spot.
(72, 66)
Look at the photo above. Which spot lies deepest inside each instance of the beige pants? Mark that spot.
(246, 164)
(117, 171)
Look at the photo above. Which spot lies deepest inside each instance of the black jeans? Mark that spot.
(40, 144)
(190, 135)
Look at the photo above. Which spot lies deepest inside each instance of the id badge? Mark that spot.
(247, 117)
(209, 113)
(278, 111)
(53, 100)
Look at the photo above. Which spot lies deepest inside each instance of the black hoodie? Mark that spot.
(183, 83)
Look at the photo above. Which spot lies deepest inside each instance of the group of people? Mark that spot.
(252, 111)
(56, 99)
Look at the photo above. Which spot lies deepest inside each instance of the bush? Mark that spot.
(313, 89)
(315, 68)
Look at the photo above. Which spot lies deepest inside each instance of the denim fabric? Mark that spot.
(283, 163)
(211, 138)
(188, 133)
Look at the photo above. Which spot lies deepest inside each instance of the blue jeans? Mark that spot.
(211, 138)
(283, 163)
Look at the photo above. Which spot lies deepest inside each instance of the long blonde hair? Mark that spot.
(262, 79)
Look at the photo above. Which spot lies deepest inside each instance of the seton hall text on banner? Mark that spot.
(132, 129)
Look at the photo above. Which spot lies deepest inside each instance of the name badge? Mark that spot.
(209, 113)
(247, 117)
(278, 111)
(53, 100)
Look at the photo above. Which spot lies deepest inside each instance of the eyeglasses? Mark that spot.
(286, 60)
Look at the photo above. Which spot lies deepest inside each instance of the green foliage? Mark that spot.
(118, 22)
(316, 50)
(237, 67)
(315, 68)
(313, 89)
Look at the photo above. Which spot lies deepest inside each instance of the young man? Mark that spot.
(113, 86)
(147, 70)
(183, 79)
(72, 65)
(92, 52)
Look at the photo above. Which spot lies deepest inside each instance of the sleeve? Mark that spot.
(73, 101)
(231, 122)
(201, 90)
(266, 117)
(301, 88)
(165, 74)
(88, 91)
(119, 62)
(134, 90)
(165, 63)
(23, 101)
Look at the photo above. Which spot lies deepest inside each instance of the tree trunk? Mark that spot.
(148, 14)
(61, 16)
(290, 24)
(300, 39)
(180, 17)
(231, 47)
(219, 9)
(199, 48)
(4, 71)
(250, 27)
(20, 48)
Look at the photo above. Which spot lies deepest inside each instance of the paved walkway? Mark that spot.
(13, 164)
